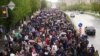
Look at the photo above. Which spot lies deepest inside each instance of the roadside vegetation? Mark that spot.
(22, 9)
(93, 7)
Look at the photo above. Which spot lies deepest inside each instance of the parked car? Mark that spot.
(72, 15)
(81, 12)
(90, 30)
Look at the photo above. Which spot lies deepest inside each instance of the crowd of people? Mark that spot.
(50, 33)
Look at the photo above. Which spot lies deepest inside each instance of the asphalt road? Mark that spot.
(88, 20)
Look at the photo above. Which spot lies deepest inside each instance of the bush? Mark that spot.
(95, 7)
(82, 7)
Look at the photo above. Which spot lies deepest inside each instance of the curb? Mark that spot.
(93, 14)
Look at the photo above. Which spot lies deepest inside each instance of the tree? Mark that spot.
(43, 4)
(23, 8)
(95, 7)
(62, 6)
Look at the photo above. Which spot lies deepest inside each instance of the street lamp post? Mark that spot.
(4, 12)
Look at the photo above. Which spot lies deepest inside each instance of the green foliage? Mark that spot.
(82, 7)
(43, 4)
(4, 2)
(74, 7)
(62, 6)
(3, 21)
(96, 7)
(23, 8)
(36, 5)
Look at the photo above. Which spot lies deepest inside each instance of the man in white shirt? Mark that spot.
(26, 38)
(54, 48)
(12, 54)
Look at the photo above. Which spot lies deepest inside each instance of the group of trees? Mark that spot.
(22, 9)
(93, 6)
(82, 7)
(62, 6)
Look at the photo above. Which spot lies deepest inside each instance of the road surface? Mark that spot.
(88, 20)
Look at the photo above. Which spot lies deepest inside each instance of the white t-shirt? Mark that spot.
(5, 37)
(50, 36)
(54, 48)
(12, 54)
(33, 29)
(44, 35)
(26, 37)
(11, 39)
(25, 22)
(34, 54)
(46, 53)
(13, 31)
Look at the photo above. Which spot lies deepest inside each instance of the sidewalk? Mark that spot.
(93, 14)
